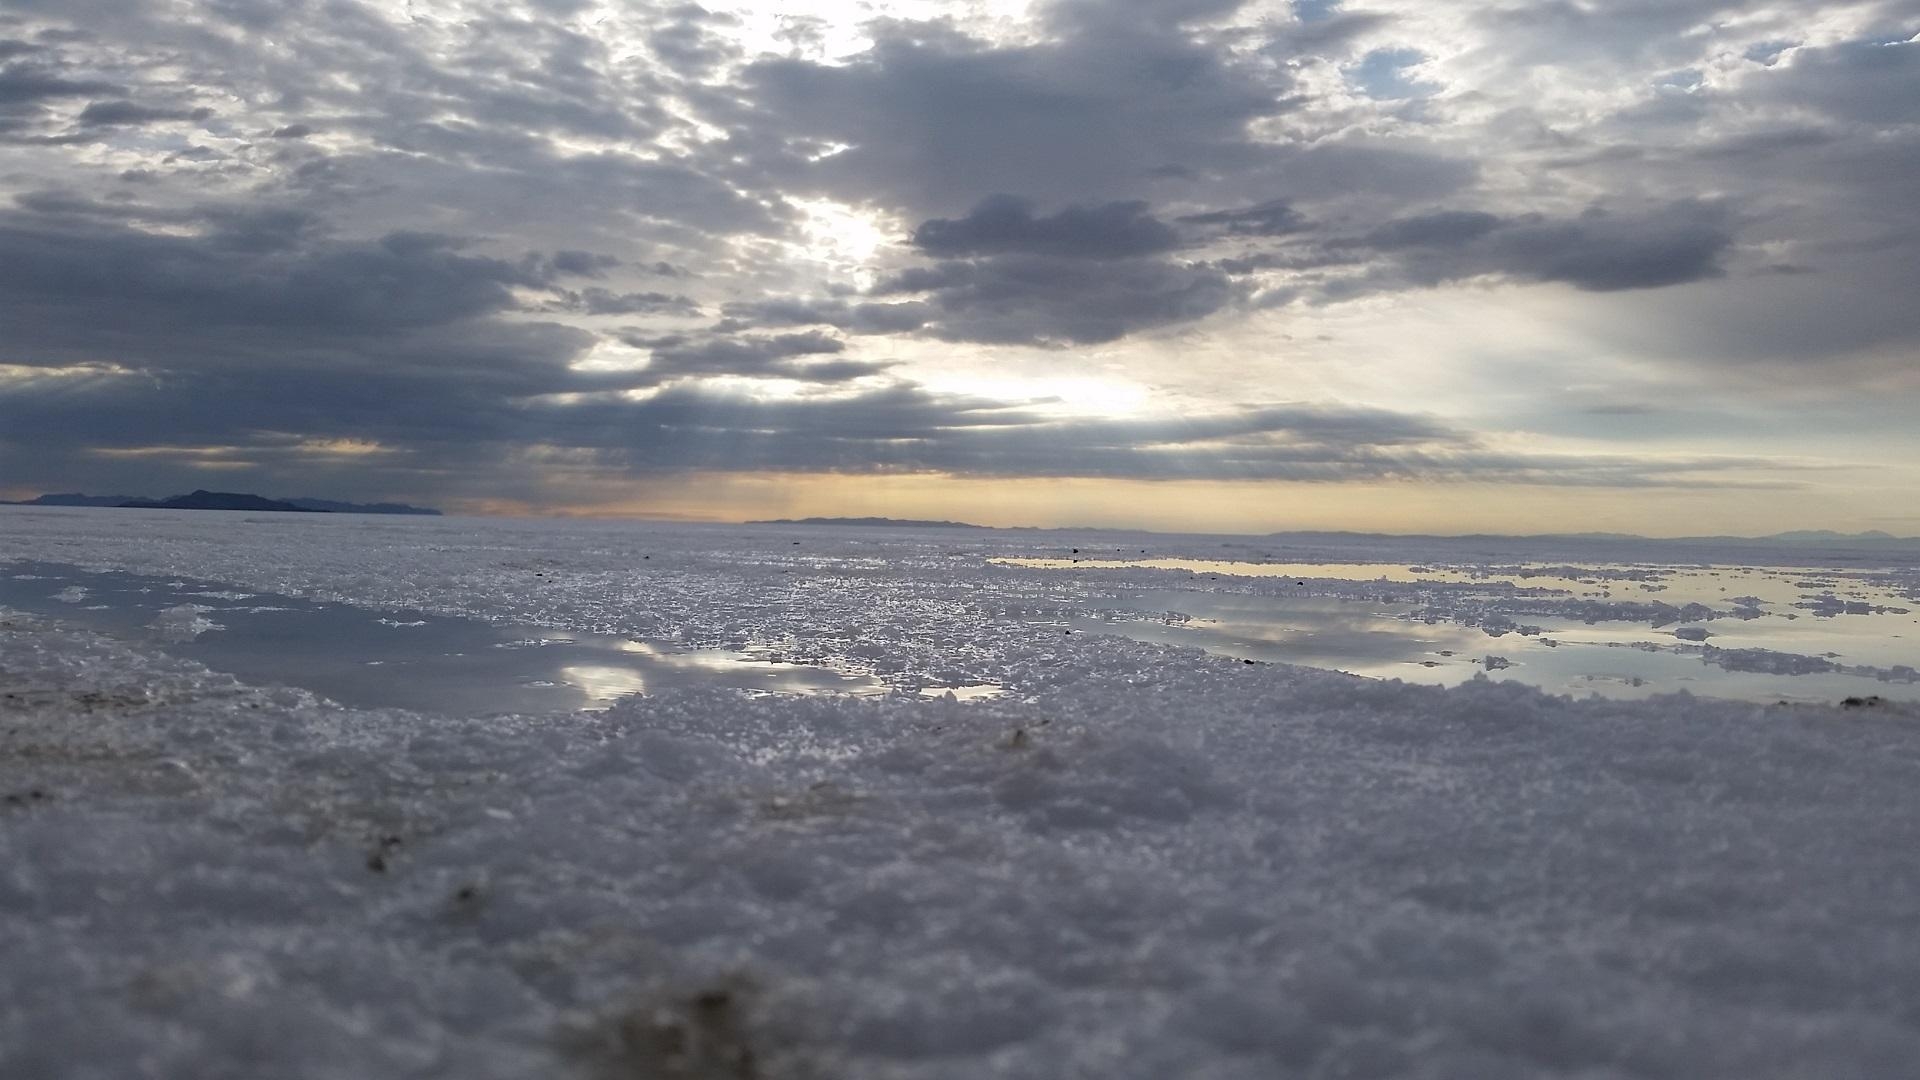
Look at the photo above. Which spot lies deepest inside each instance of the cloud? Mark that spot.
(1276, 217)
(582, 263)
(1099, 17)
(759, 357)
(244, 275)
(1440, 229)
(693, 41)
(22, 83)
(1006, 275)
(1085, 276)
(1604, 253)
(1598, 251)
(886, 429)
(1633, 34)
(131, 113)
(1006, 224)
(1322, 31)
(421, 228)
(859, 318)
(597, 301)
(1041, 300)
(933, 121)
(262, 321)
(1873, 82)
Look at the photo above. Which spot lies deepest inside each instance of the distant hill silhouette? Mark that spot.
(74, 498)
(334, 507)
(218, 500)
(225, 500)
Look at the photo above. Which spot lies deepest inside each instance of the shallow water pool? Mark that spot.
(1627, 631)
(370, 658)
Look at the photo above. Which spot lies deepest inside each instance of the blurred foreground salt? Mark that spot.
(1137, 861)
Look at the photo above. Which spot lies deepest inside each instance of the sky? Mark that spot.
(1395, 265)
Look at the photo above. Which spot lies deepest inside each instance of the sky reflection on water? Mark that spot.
(1751, 633)
(394, 659)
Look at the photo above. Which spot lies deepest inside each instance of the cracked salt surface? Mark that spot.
(1138, 861)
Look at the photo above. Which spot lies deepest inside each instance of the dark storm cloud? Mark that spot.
(1604, 253)
(583, 263)
(858, 318)
(1873, 82)
(133, 114)
(265, 222)
(1333, 32)
(243, 276)
(1098, 17)
(598, 301)
(29, 87)
(1598, 251)
(458, 386)
(258, 325)
(1091, 286)
(897, 428)
(20, 83)
(1009, 275)
(763, 357)
(933, 120)
(1006, 224)
(889, 428)
(405, 342)
(1079, 276)
(1032, 299)
(1274, 218)
(1441, 229)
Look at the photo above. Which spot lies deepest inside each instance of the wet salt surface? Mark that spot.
(406, 659)
(1626, 631)
(1138, 862)
(1621, 631)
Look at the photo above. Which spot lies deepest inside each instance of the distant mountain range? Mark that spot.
(1823, 536)
(329, 506)
(879, 522)
(226, 500)
(1797, 538)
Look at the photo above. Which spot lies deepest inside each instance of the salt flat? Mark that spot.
(1135, 860)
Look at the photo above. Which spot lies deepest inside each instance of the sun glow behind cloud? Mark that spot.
(843, 241)
(1064, 395)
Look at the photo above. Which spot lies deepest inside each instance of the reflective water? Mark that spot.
(393, 659)
(1627, 631)
(1751, 633)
